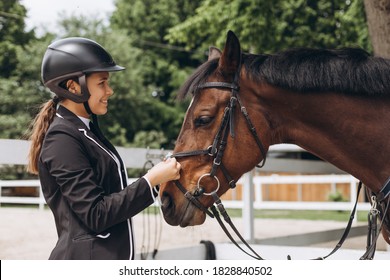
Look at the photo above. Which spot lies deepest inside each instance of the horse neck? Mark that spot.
(352, 133)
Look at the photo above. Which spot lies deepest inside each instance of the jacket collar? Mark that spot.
(71, 117)
(68, 115)
(64, 113)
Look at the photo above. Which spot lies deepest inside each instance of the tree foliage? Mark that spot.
(147, 23)
(272, 25)
(19, 75)
(12, 35)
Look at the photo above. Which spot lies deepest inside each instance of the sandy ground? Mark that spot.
(29, 234)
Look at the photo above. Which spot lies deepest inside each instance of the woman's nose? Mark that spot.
(110, 91)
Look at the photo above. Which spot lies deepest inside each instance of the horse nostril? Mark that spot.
(166, 201)
(169, 209)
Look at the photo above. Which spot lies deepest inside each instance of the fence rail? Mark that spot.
(40, 200)
(332, 179)
(257, 183)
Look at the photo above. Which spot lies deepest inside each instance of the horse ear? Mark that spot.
(231, 56)
(214, 53)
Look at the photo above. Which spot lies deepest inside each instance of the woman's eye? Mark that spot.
(202, 121)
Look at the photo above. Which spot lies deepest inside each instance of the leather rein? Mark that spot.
(216, 151)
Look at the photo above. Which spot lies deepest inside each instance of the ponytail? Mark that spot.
(40, 126)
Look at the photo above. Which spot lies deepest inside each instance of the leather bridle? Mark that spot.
(216, 151)
(217, 148)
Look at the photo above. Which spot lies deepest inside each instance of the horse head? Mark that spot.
(215, 146)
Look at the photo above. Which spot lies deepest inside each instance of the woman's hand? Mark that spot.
(164, 171)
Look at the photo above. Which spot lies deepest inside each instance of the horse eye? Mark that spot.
(202, 121)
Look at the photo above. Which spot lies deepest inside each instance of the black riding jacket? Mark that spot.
(85, 186)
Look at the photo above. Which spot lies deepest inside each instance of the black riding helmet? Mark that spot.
(74, 57)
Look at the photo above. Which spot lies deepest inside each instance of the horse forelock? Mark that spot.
(349, 70)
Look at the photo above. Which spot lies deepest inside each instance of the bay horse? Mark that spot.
(334, 104)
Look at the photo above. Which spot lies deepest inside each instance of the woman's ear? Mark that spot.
(73, 86)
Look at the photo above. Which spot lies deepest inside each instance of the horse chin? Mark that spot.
(192, 217)
(187, 215)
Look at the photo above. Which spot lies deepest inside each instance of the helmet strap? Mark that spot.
(87, 108)
(85, 92)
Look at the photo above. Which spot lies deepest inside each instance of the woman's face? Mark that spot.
(100, 90)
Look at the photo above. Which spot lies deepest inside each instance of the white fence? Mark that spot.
(259, 203)
(257, 183)
(21, 199)
(39, 200)
(15, 152)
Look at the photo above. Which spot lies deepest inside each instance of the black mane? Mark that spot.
(348, 70)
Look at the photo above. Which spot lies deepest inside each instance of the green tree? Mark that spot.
(23, 92)
(272, 25)
(12, 35)
(18, 74)
(20, 85)
(323, 24)
(147, 23)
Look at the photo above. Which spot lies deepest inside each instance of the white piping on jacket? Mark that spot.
(131, 233)
(108, 152)
(103, 236)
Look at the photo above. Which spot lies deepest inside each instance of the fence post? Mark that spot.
(41, 198)
(247, 209)
(258, 191)
(1, 190)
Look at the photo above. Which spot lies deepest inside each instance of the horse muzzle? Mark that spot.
(178, 209)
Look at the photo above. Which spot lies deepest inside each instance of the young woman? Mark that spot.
(83, 178)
